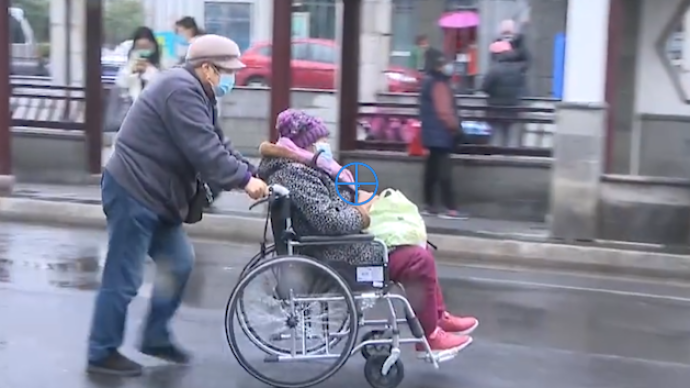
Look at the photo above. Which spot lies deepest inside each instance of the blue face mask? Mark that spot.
(324, 149)
(182, 40)
(226, 84)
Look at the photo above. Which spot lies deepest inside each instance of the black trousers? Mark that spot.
(437, 171)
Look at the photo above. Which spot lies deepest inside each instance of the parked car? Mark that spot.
(113, 60)
(314, 66)
(25, 59)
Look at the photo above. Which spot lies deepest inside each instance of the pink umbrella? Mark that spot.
(460, 19)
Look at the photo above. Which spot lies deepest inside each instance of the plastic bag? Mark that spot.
(476, 128)
(476, 132)
(396, 221)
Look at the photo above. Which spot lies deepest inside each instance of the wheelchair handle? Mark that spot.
(274, 192)
(278, 191)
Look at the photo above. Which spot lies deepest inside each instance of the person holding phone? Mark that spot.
(144, 63)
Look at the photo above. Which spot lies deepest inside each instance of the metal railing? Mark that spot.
(37, 103)
(38, 80)
(389, 126)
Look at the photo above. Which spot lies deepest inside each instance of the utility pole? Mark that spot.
(6, 178)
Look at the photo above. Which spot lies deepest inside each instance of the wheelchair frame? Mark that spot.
(386, 342)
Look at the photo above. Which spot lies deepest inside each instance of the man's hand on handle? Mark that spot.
(256, 188)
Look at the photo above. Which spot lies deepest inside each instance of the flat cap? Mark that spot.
(218, 50)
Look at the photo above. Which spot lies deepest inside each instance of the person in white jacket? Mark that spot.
(144, 63)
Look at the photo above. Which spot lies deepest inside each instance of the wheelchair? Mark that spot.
(316, 308)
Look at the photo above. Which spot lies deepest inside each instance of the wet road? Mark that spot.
(537, 329)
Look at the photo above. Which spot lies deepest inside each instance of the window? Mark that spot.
(230, 19)
(461, 4)
(322, 53)
(265, 51)
(321, 18)
(300, 51)
(16, 31)
(403, 34)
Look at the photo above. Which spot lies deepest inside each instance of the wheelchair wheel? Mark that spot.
(375, 377)
(369, 351)
(278, 344)
(269, 253)
(280, 296)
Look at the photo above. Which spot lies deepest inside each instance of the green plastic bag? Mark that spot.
(396, 221)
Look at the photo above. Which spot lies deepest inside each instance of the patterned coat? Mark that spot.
(317, 210)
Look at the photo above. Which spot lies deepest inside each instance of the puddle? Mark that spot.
(39, 257)
(51, 256)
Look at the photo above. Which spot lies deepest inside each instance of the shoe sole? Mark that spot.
(112, 372)
(446, 354)
(165, 358)
(447, 217)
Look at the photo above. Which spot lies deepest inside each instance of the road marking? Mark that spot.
(526, 284)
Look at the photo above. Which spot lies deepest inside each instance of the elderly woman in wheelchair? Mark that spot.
(313, 226)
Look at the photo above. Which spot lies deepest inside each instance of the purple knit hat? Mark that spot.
(302, 128)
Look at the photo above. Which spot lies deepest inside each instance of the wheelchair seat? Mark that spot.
(360, 277)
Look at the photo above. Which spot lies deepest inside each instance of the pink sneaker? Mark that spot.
(453, 215)
(458, 325)
(443, 343)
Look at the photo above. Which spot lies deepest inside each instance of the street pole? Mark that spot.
(348, 108)
(281, 59)
(6, 178)
(93, 119)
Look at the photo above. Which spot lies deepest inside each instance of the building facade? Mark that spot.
(400, 21)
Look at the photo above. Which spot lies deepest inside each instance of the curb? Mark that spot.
(37, 211)
(451, 248)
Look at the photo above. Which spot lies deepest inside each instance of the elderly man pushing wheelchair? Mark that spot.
(168, 151)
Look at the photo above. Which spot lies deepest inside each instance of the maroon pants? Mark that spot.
(415, 268)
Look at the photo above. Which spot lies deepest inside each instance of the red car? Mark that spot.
(314, 66)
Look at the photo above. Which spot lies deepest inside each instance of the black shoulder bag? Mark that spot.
(200, 201)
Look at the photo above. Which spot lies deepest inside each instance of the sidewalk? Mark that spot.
(237, 203)
(473, 241)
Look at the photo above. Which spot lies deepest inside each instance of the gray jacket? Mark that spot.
(167, 140)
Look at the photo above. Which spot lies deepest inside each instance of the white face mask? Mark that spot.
(324, 149)
(448, 69)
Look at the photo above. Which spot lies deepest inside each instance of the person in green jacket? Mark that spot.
(418, 54)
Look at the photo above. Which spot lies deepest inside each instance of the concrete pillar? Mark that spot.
(581, 123)
(67, 25)
(374, 42)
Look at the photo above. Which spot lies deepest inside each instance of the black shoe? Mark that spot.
(115, 365)
(169, 353)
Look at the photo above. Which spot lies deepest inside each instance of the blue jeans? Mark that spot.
(134, 232)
